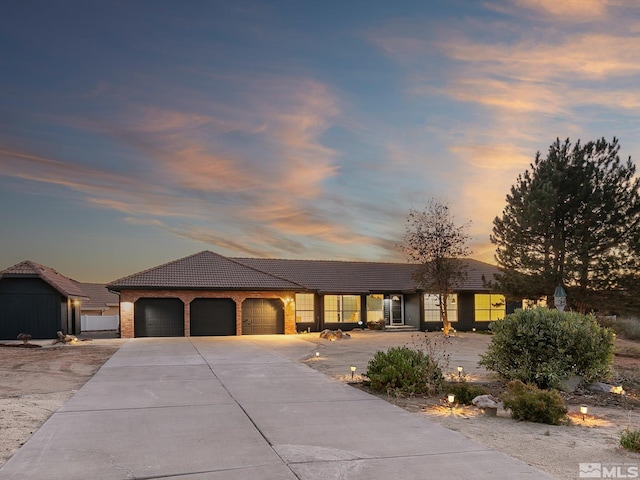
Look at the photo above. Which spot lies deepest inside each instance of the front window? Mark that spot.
(489, 307)
(341, 308)
(375, 307)
(304, 308)
(432, 308)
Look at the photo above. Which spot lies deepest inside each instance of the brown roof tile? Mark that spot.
(99, 296)
(204, 270)
(330, 276)
(62, 284)
(208, 270)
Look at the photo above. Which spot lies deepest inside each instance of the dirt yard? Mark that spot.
(556, 450)
(35, 382)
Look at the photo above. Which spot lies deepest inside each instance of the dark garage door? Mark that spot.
(262, 316)
(159, 317)
(213, 316)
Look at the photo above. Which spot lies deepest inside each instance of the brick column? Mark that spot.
(127, 301)
(289, 315)
(187, 317)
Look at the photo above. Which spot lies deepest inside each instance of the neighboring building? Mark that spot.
(101, 312)
(101, 301)
(209, 294)
(38, 300)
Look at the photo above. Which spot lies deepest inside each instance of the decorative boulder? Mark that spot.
(333, 335)
(488, 404)
(570, 384)
(62, 338)
(606, 388)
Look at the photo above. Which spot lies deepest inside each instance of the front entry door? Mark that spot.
(397, 317)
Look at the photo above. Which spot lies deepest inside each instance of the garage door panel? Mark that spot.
(262, 316)
(159, 317)
(213, 317)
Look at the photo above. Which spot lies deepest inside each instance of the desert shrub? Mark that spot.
(625, 327)
(404, 371)
(464, 392)
(529, 403)
(630, 439)
(541, 346)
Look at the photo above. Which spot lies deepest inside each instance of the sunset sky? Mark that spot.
(136, 132)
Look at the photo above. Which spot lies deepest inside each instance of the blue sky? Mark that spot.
(136, 132)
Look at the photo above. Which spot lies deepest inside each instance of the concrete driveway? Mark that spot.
(240, 408)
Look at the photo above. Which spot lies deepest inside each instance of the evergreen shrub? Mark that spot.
(404, 371)
(531, 404)
(541, 346)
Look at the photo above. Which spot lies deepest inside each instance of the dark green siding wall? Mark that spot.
(412, 310)
(29, 305)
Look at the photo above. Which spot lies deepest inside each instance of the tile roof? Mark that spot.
(28, 269)
(331, 276)
(99, 296)
(204, 270)
(477, 273)
(208, 270)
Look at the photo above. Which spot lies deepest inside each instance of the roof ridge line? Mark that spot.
(368, 262)
(160, 266)
(238, 262)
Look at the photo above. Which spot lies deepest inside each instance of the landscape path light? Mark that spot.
(583, 411)
(451, 398)
(460, 369)
(353, 371)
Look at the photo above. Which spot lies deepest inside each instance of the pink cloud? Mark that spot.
(569, 10)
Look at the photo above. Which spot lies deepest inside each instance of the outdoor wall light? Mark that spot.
(583, 411)
(353, 371)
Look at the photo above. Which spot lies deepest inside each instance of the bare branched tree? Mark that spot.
(437, 245)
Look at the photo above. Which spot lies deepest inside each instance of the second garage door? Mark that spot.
(262, 316)
(213, 316)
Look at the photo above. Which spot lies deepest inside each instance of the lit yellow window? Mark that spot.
(489, 307)
(305, 308)
(341, 308)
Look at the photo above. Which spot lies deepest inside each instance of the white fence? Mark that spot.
(89, 323)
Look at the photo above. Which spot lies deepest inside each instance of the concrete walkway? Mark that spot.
(240, 408)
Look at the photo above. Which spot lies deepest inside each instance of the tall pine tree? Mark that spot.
(573, 218)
